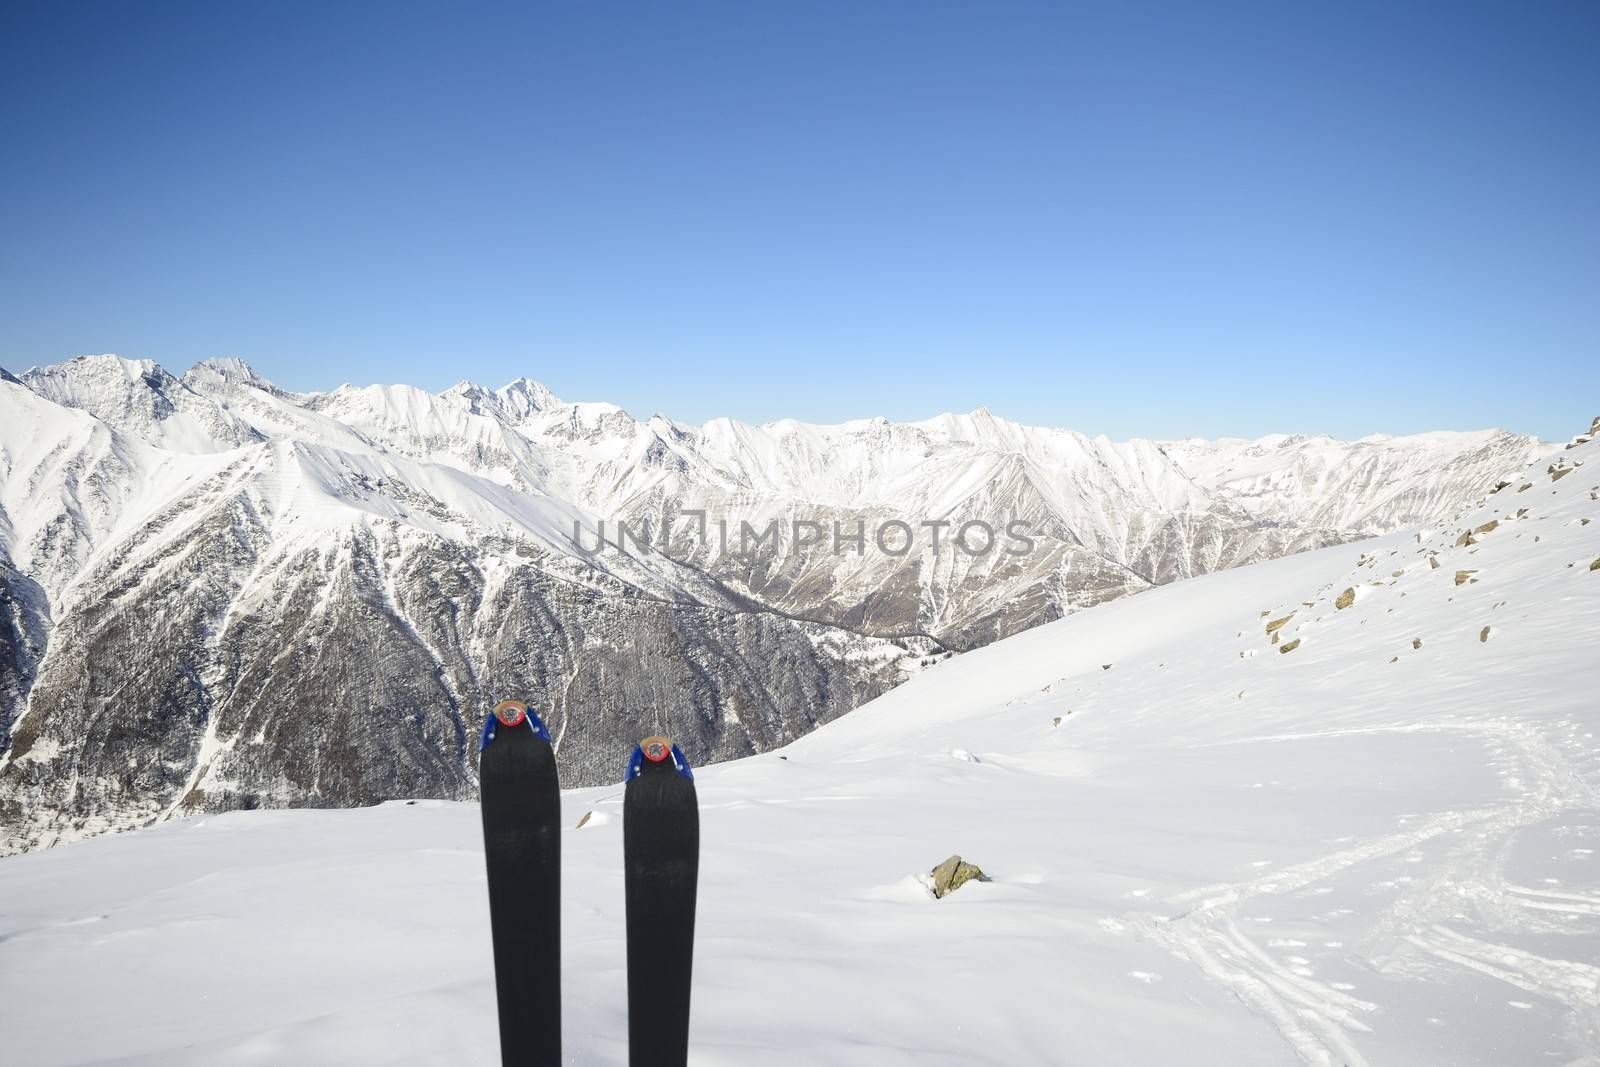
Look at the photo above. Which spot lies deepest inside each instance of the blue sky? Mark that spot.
(1137, 220)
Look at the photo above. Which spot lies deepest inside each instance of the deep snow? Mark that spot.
(1358, 851)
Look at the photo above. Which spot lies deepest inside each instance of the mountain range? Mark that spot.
(216, 593)
(1340, 808)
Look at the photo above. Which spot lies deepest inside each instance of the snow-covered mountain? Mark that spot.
(141, 398)
(216, 593)
(1336, 808)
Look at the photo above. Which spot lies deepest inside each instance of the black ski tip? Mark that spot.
(510, 714)
(657, 750)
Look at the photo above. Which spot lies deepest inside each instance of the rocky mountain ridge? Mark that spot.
(217, 593)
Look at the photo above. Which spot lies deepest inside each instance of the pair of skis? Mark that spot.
(522, 850)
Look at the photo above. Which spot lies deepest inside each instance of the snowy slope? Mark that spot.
(1372, 485)
(1367, 836)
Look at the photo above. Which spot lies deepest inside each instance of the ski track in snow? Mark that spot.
(1318, 1021)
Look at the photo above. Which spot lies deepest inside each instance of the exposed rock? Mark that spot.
(1488, 526)
(1595, 566)
(954, 873)
(1560, 473)
(1346, 598)
(1463, 577)
(1483, 634)
(1466, 538)
(1416, 642)
(1499, 486)
(1105, 666)
(1433, 562)
(584, 821)
(1277, 624)
(1289, 646)
(1522, 513)
(1524, 487)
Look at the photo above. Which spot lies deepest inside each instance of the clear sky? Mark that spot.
(1138, 220)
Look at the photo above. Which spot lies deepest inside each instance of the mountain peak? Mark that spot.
(226, 370)
(524, 396)
(140, 397)
(107, 368)
(474, 397)
(101, 363)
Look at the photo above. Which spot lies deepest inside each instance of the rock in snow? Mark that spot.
(952, 874)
